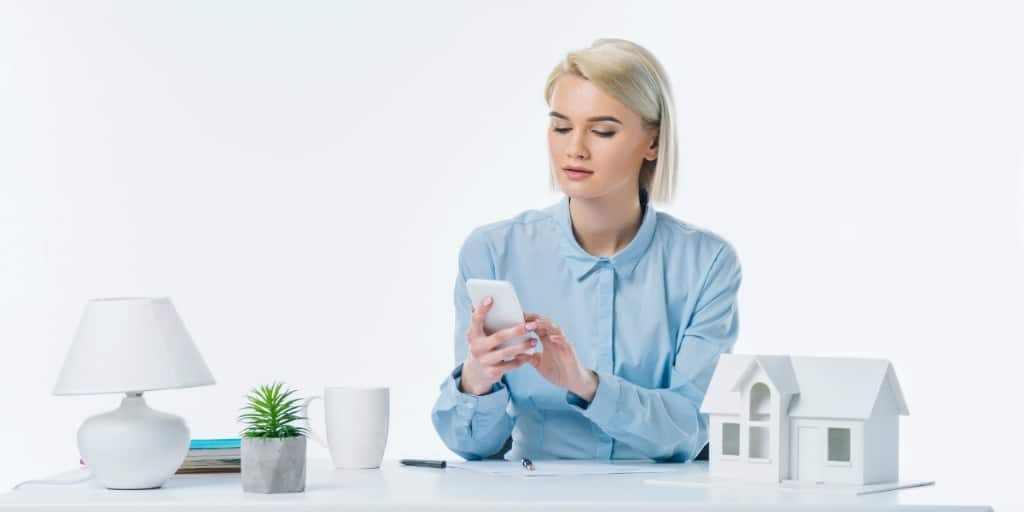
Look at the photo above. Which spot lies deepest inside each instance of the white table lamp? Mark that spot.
(132, 345)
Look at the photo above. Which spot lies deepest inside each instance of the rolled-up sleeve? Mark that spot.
(666, 424)
(474, 427)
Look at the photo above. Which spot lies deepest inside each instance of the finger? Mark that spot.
(529, 317)
(495, 357)
(559, 339)
(476, 325)
(543, 324)
(551, 335)
(545, 327)
(509, 333)
(561, 345)
(533, 359)
(507, 366)
(554, 327)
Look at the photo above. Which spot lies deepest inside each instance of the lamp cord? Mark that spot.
(55, 482)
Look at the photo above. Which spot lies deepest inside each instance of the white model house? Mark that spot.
(817, 419)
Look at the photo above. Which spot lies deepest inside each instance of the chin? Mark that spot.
(579, 190)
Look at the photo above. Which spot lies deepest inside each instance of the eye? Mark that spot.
(596, 132)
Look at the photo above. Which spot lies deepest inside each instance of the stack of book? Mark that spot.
(213, 456)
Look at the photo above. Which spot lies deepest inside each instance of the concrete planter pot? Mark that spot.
(272, 465)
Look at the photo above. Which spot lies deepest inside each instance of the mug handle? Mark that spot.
(312, 434)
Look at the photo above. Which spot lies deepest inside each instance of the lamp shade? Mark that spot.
(131, 344)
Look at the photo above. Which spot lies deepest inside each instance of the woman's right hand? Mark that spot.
(484, 363)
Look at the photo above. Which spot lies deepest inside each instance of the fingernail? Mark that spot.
(487, 301)
(531, 326)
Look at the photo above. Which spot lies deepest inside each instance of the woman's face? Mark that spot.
(594, 131)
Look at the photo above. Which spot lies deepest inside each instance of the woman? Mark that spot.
(633, 305)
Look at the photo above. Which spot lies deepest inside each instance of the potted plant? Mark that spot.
(273, 450)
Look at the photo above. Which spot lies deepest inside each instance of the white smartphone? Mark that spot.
(505, 311)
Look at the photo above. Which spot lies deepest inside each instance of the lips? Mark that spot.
(577, 169)
(576, 173)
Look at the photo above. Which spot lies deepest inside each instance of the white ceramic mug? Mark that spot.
(357, 425)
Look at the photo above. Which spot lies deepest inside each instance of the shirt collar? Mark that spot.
(582, 263)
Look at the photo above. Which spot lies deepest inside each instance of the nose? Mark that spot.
(575, 147)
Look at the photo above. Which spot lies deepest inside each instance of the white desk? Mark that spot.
(395, 487)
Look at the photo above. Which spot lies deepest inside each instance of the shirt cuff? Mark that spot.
(457, 377)
(602, 408)
(578, 401)
(467, 405)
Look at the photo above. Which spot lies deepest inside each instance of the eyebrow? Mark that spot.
(592, 119)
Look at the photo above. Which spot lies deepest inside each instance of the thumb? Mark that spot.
(535, 358)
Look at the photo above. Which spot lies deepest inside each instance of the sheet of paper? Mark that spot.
(564, 467)
(856, 489)
(791, 485)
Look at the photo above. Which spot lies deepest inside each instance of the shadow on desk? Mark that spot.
(703, 455)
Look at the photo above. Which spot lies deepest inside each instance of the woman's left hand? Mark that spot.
(558, 363)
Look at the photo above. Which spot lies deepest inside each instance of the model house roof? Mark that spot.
(778, 368)
(822, 387)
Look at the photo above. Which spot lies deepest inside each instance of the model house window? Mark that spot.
(759, 442)
(730, 438)
(838, 444)
(760, 402)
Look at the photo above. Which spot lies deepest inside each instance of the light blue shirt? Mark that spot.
(651, 320)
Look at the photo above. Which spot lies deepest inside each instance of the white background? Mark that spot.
(298, 178)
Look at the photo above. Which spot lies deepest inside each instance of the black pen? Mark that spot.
(420, 463)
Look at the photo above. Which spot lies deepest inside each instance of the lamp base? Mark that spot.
(133, 446)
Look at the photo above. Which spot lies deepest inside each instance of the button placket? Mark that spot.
(606, 317)
(606, 288)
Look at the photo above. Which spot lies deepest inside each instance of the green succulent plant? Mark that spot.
(270, 412)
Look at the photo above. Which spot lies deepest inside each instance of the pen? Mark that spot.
(528, 464)
(419, 463)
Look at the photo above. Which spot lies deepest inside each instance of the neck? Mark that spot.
(603, 226)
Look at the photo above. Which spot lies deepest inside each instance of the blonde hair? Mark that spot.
(633, 76)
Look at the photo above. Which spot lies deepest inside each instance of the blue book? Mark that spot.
(213, 444)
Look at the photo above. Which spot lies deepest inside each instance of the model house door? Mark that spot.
(810, 455)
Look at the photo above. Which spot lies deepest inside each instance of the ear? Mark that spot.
(652, 151)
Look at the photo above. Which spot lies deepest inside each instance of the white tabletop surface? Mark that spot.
(396, 487)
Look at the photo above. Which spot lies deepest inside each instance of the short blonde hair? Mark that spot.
(630, 73)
